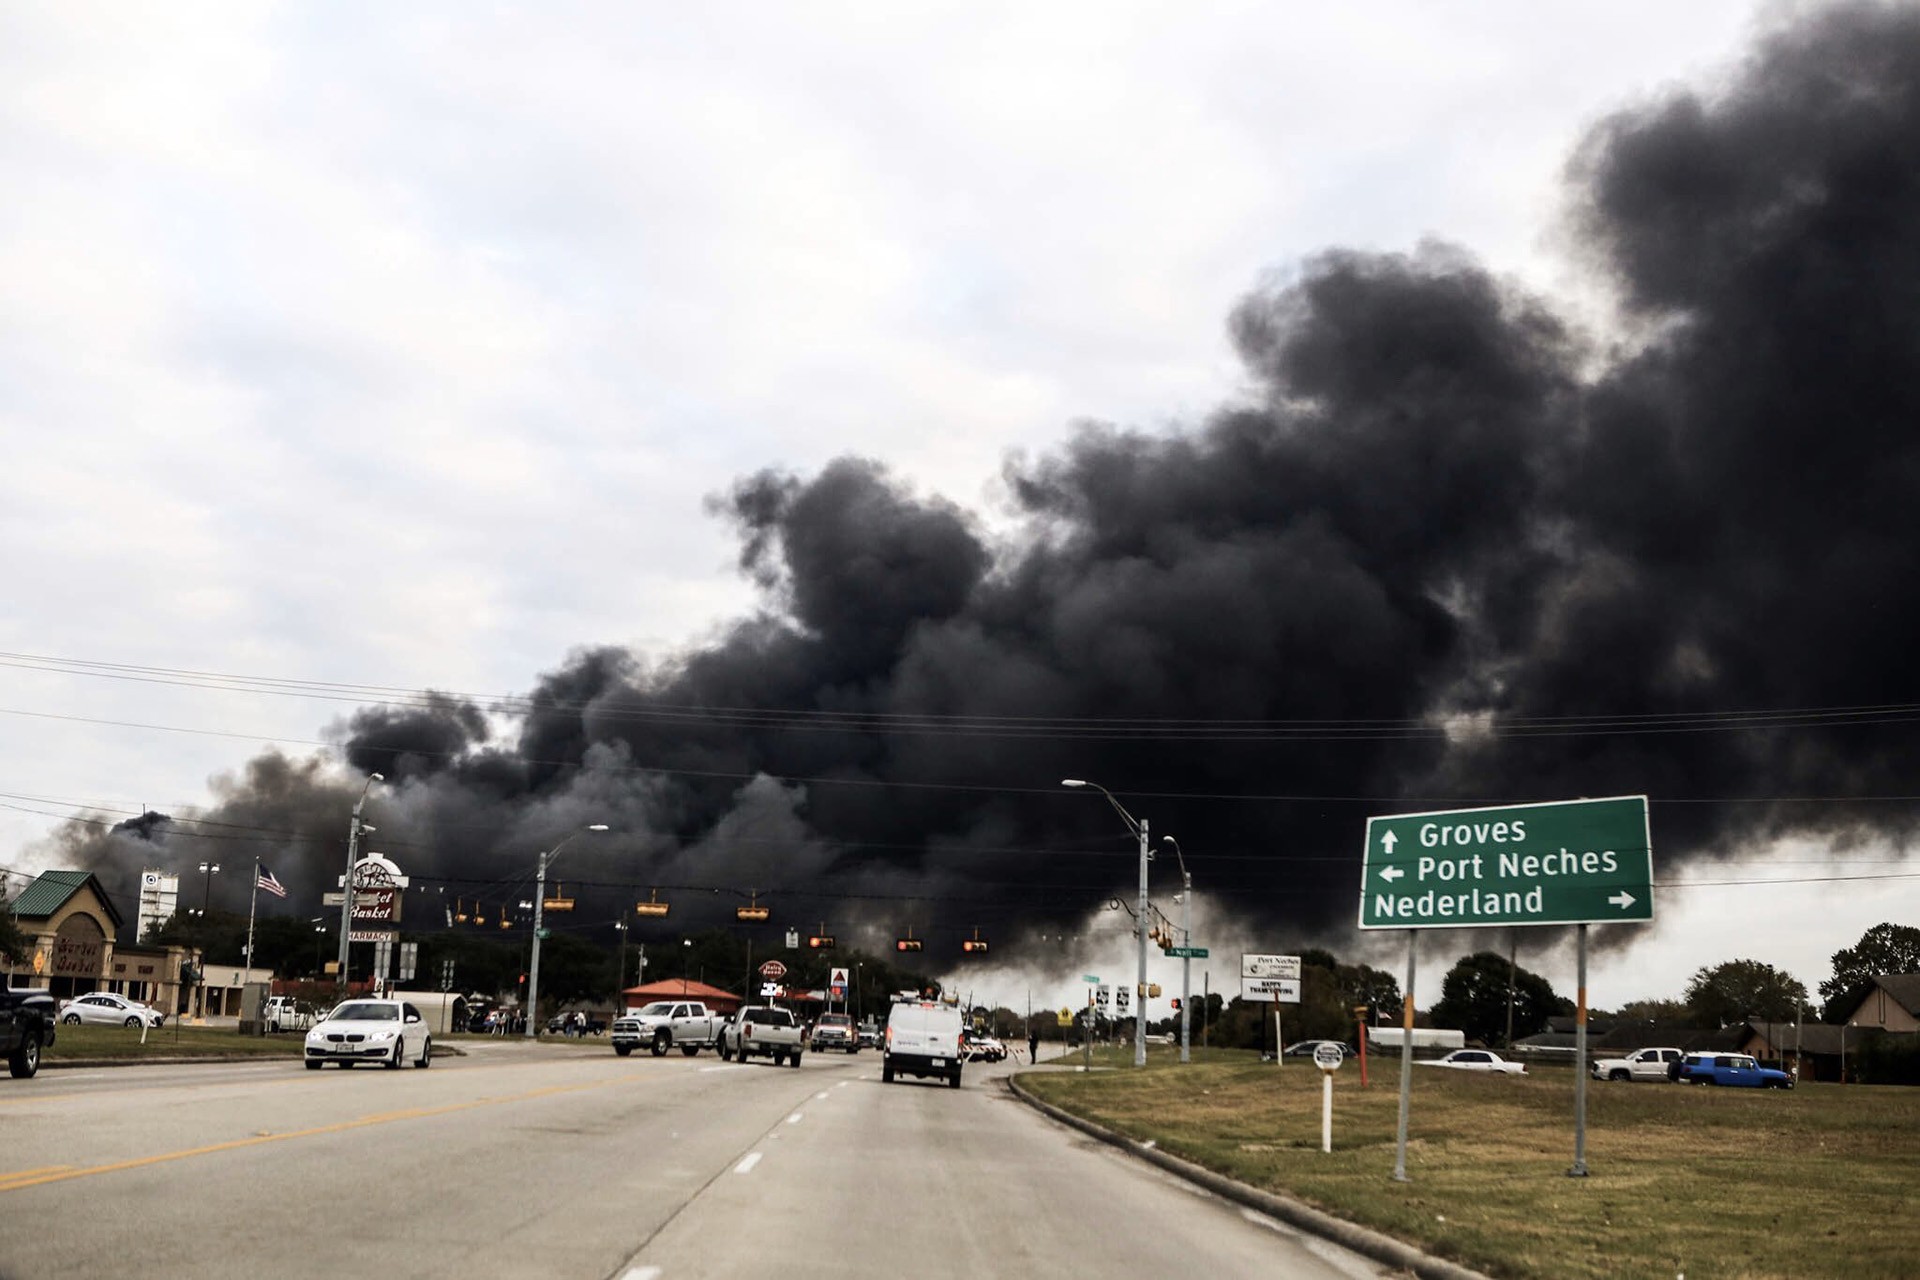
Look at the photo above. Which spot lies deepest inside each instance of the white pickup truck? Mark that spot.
(284, 1013)
(687, 1025)
(763, 1029)
(1641, 1064)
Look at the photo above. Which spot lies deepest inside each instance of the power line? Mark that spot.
(1065, 728)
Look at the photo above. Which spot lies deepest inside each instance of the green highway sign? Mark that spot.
(1090, 977)
(1185, 953)
(1568, 862)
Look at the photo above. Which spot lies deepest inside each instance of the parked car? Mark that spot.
(389, 1032)
(103, 1008)
(1641, 1064)
(1738, 1070)
(26, 1027)
(284, 1013)
(1478, 1060)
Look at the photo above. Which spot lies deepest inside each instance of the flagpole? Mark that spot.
(253, 900)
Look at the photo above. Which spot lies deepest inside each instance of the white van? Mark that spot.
(923, 1039)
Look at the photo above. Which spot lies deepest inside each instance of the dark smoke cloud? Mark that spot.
(1436, 503)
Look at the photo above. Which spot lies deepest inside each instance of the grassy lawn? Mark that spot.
(1691, 1181)
(169, 1041)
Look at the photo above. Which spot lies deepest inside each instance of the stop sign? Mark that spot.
(773, 969)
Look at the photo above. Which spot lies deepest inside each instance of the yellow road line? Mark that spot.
(25, 1178)
(6, 1178)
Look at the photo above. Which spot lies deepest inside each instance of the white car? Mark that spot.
(1478, 1060)
(107, 1009)
(389, 1032)
(1643, 1064)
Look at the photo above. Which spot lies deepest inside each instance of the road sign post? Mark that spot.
(1568, 862)
(1328, 1058)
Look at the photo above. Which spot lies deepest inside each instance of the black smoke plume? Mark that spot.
(1444, 548)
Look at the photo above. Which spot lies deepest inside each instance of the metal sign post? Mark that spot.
(1406, 1066)
(1577, 862)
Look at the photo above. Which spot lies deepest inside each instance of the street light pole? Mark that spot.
(1186, 944)
(539, 905)
(1139, 829)
(346, 885)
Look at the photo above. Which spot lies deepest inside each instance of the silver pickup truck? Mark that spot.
(686, 1025)
(762, 1029)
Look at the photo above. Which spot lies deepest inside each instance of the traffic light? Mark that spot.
(1176, 1004)
(752, 915)
(974, 946)
(650, 908)
(1153, 990)
(907, 944)
(821, 942)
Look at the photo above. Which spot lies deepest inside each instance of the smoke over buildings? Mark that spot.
(1443, 546)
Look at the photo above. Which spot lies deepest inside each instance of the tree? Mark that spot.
(1473, 998)
(1884, 950)
(1667, 1012)
(1740, 990)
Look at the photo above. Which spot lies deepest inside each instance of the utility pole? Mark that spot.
(354, 828)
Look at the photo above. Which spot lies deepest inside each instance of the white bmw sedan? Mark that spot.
(389, 1032)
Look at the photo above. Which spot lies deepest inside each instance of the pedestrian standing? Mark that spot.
(1033, 1045)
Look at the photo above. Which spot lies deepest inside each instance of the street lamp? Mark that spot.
(1139, 829)
(206, 893)
(354, 828)
(539, 905)
(1186, 944)
(620, 987)
(319, 931)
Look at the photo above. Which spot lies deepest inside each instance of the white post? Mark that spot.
(1326, 1110)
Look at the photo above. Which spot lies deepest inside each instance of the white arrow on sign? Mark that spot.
(1388, 840)
(1622, 899)
(1391, 873)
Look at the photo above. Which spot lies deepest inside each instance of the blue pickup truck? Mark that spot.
(1736, 1069)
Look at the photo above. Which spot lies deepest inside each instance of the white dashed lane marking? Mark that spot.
(746, 1165)
(794, 1118)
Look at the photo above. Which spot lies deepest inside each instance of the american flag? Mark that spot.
(264, 878)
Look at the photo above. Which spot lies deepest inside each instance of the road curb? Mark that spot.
(1362, 1240)
(181, 1060)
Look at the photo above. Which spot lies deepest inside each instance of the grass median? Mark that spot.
(1684, 1180)
(122, 1044)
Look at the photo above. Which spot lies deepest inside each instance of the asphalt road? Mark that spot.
(566, 1161)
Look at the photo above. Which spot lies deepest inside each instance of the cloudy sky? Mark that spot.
(410, 350)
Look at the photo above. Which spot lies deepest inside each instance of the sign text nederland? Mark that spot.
(1567, 862)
